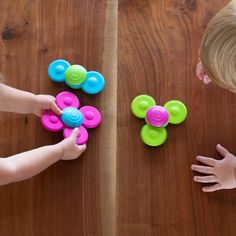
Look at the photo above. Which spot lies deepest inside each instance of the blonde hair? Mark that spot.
(218, 47)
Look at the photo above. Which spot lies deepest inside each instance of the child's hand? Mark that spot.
(201, 74)
(222, 173)
(70, 150)
(45, 102)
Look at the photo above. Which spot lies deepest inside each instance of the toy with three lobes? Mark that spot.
(76, 76)
(143, 106)
(157, 118)
(73, 115)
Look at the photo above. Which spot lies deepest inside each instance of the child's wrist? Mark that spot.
(60, 150)
(33, 104)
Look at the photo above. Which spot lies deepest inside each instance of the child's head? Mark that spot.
(218, 48)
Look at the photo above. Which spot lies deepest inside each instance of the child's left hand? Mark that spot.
(220, 172)
(45, 102)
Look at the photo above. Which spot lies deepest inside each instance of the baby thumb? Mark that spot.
(74, 134)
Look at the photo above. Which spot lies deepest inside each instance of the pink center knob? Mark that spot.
(89, 115)
(157, 116)
(68, 101)
(92, 117)
(53, 119)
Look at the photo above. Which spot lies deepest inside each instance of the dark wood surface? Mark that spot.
(69, 198)
(158, 50)
(119, 186)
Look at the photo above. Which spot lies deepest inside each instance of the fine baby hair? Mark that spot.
(218, 48)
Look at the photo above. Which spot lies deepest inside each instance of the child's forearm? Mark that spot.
(14, 100)
(27, 164)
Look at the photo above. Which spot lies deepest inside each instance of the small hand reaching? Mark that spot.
(220, 173)
(45, 102)
(70, 150)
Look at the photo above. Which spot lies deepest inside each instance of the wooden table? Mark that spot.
(119, 186)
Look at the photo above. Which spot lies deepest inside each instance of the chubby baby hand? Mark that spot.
(220, 173)
(45, 102)
(70, 150)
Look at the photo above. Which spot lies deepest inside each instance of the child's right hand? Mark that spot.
(220, 173)
(201, 74)
(70, 150)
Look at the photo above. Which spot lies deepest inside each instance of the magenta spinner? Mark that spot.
(72, 116)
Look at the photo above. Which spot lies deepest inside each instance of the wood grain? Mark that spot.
(119, 186)
(158, 50)
(69, 198)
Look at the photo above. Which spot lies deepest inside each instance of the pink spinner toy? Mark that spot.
(72, 117)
